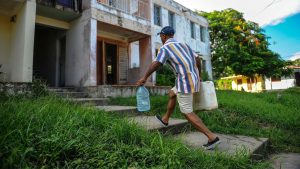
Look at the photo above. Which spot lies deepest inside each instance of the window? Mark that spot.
(112, 3)
(172, 19)
(239, 81)
(203, 66)
(202, 33)
(157, 15)
(275, 79)
(193, 30)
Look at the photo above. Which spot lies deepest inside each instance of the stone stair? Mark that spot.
(181, 130)
(178, 128)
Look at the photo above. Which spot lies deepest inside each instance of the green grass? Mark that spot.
(48, 132)
(275, 115)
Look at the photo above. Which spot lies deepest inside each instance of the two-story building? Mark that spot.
(91, 42)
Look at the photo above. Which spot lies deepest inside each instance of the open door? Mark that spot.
(297, 77)
(62, 61)
(111, 55)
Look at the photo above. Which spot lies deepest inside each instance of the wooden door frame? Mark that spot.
(113, 42)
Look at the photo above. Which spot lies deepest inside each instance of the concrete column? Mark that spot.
(145, 57)
(81, 48)
(22, 43)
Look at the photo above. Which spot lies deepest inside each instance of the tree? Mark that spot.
(240, 47)
(296, 62)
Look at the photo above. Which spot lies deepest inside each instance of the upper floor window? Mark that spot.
(192, 30)
(112, 3)
(202, 33)
(172, 19)
(157, 15)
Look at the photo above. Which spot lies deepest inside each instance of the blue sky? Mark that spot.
(286, 36)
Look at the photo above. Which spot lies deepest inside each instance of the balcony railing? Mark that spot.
(139, 8)
(75, 5)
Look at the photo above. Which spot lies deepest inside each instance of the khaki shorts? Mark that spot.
(185, 101)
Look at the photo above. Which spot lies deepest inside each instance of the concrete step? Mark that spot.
(91, 101)
(62, 89)
(286, 161)
(123, 110)
(72, 94)
(230, 144)
(150, 123)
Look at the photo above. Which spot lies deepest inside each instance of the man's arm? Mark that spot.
(153, 67)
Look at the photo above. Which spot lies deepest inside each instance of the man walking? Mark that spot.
(183, 61)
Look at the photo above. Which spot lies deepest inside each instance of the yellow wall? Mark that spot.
(5, 34)
(256, 87)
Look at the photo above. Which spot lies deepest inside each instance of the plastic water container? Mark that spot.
(206, 99)
(142, 98)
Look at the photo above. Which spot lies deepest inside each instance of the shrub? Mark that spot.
(224, 84)
(165, 76)
(38, 88)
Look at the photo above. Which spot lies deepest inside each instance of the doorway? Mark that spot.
(111, 55)
(49, 55)
(297, 77)
(62, 61)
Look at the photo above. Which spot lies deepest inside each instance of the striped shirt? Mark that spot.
(181, 59)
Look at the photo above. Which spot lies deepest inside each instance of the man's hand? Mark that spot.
(141, 82)
(154, 66)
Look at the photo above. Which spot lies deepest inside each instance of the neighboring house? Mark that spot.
(243, 83)
(91, 42)
(258, 84)
(284, 82)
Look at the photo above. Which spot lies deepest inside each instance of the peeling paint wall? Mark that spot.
(81, 43)
(116, 17)
(22, 43)
(5, 36)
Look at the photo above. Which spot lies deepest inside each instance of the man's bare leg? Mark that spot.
(171, 106)
(200, 126)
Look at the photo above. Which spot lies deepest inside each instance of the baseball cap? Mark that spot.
(168, 30)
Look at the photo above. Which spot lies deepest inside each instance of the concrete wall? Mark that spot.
(19, 59)
(286, 82)
(122, 91)
(115, 17)
(81, 47)
(145, 58)
(5, 45)
(182, 27)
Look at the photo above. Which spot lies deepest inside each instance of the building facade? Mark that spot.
(91, 42)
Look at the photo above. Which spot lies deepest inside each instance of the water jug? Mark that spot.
(143, 101)
(206, 99)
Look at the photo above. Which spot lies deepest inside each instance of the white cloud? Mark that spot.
(295, 56)
(263, 12)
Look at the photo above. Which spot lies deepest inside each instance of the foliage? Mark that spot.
(240, 46)
(165, 76)
(204, 76)
(38, 88)
(0, 68)
(224, 84)
(48, 132)
(273, 115)
(296, 62)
